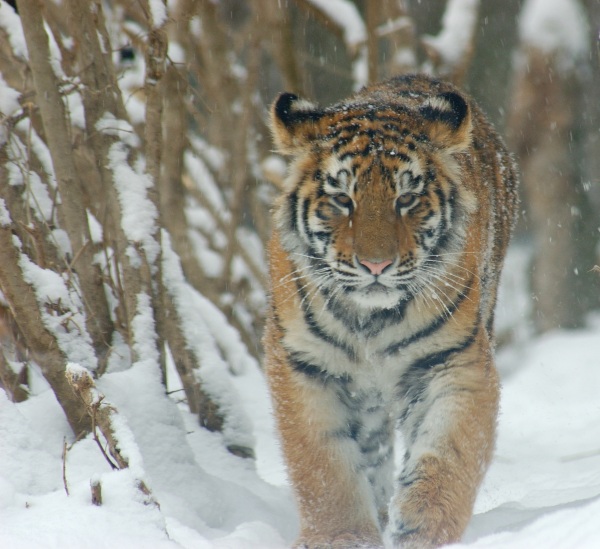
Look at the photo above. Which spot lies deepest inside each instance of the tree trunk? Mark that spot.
(543, 132)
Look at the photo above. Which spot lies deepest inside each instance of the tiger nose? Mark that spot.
(376, 268)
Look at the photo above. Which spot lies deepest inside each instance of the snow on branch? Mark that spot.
(5, 219)
(123, 450)
(21, 173)
(450, 51)
(158, 12)
(40, 342)
(555, 27)
(10, 22)
(144, 331)
(43, 62)
(345, 16)
(206, 332)
(62, 311)
(139, 214)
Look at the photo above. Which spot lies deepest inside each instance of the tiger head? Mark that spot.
(374, 208)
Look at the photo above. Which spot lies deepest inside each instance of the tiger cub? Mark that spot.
(384, 263)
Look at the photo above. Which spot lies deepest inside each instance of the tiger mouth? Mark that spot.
(375, 288)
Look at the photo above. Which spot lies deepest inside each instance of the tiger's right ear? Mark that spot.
(294, 123)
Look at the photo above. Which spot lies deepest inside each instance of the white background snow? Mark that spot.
(542, 490)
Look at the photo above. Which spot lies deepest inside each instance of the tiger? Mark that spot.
(385, 255)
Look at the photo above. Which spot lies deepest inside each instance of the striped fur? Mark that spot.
(384, 260)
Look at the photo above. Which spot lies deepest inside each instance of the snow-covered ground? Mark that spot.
(542, 490)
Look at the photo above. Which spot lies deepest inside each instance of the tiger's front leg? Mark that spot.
(334, 498)
(449, 431)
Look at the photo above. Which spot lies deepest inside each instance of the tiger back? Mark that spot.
(385, 257)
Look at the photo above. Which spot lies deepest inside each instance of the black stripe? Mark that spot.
(452, 202)
(375, 323)
(447, 238)
(342, 126)
(394, 127)
(333, 182)
(442, 208)
(320, 214)
(305, 207)
(323, 236)
(315, 372)
(354, 426)
(375, 439)
(416, 379)
(317, 331)
(365, 151)
(409, 478)
(293, 198)
(401, 530)
(370, 148)
(379, 461)
(340, 143)
(308, 369)
(440, 357)
(437, 323)
(400, 156)
(418, 422)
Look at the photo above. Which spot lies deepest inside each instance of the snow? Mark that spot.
(75, 108)
(215, 344)
(9, 99)
(122, 129)
(452, 42)
(542, 490)
(158, 9)
(61, 310)
(345, 15)
(96, 232)
(555, 26)
(5, 219)
(40, 149)
(38, 197)
(10, 23)
(35, 191)
(138, 213)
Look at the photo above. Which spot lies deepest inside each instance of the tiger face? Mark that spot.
(374, 210)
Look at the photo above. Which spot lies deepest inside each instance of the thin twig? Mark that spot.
(93, 411)
(64, 465)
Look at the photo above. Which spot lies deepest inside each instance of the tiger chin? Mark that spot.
(385, 257)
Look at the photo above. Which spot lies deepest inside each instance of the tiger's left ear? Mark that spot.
(448, 120)
(293, 123)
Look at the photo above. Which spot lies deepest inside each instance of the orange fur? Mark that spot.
(407, 175)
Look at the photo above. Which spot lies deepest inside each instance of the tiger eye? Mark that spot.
(343, 200)
(405, 200)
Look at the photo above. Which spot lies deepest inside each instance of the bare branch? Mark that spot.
(73, 216)
(42, 345)
(280, 43)
(102, 414)
(64, 465)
